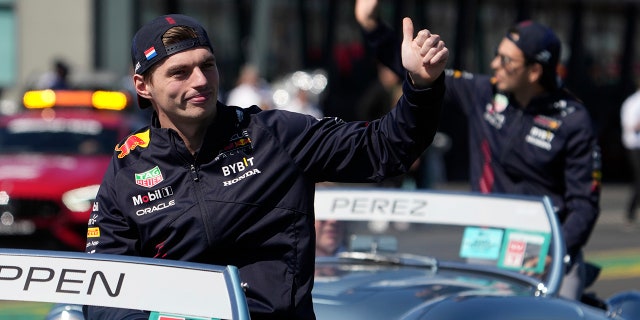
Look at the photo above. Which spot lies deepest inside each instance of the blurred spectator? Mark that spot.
(330, 241)
(630, 121)
(433, 169)
(330, 237)
(377, 100)
(89, 146)
(349, 77)
(330, 234)
(250, 90)
(380, 96)
(56, 79)
(302, 103)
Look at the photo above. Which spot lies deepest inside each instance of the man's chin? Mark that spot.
(502, 88)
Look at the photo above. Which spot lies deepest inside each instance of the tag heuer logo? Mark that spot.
(149, 178)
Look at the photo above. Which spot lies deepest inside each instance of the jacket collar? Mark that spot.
(218, 134)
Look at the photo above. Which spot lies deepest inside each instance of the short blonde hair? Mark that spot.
(172, 36)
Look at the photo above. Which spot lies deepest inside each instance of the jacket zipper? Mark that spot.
(515, 134)
(194, 173)
(193, 169)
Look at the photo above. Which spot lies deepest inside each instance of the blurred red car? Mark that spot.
(52, 159)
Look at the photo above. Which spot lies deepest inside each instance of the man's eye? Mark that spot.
(177, 73)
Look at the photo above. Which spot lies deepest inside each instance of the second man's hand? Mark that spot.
(366, 13)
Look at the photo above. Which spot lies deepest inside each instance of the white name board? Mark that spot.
(432, 207)
(141, 283)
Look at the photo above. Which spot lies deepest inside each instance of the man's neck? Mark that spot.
(523, 97)
(192, 134)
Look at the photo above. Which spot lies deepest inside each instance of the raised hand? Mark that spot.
(366, 12)
(424, 56)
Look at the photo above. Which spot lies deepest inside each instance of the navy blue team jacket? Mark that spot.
(546, 148)
(246, 199)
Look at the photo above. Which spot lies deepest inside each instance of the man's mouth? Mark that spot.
(200, 98)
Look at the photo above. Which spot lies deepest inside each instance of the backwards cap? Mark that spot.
(537, 42)
(147, 48)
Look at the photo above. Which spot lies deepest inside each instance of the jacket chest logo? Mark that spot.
(238, 167)
(150, 178)
(542, 132)
(240, 170)
(237, 143)
(540, 138)
(137, 140)
(493, 113)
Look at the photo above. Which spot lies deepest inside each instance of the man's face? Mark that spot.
(184, 86)
(329, 236)
(509, 67)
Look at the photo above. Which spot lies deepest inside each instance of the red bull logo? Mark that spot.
(237, 144)
(139, 139)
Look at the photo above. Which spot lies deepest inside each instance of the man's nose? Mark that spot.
(198, 77)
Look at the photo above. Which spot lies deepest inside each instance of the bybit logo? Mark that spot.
(238, 166)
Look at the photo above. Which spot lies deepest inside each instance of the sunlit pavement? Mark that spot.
(19, 310)
(615, 245)
(617, 264)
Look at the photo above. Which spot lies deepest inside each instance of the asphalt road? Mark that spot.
(615, 246)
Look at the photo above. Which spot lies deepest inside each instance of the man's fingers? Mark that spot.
(426, 41)
(407, 30)
(440, 53)
(441, 56)
(433, 53)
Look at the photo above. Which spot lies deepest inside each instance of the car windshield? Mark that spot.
(503, 248)
(56, 136)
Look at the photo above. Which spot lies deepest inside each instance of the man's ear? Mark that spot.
(141, 86)
(535, 72)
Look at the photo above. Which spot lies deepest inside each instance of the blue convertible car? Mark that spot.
(442, 255)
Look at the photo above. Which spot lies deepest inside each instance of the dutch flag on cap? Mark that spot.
(150, 53)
